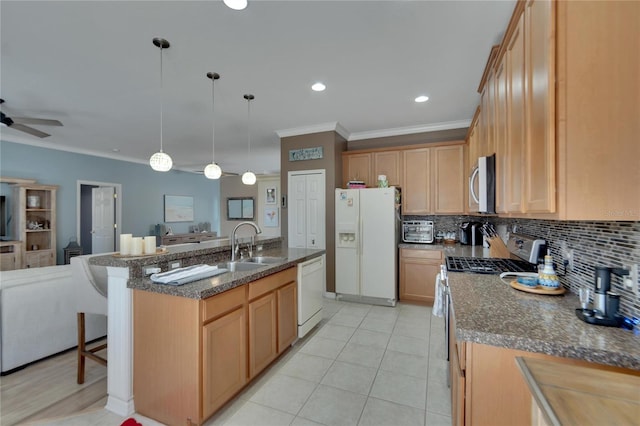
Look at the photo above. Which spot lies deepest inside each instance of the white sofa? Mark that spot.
(38, 309)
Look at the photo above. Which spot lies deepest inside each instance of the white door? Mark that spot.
(306, 218)
(102, 219)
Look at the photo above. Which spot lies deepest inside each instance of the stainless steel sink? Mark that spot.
(267, 260)
(240, 266)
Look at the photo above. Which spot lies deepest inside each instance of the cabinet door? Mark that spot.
(358, 167)
(501, 136)
(416, 179)
(418, 270)
(224, 364)
(472, 159)
(448, 184)
(287, 315)
(540, 158)
(514, 58)
(387, 163)
(457, 390)
(262, 333)
(38, 259)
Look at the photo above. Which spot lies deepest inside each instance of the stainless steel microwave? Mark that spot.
(482, 185)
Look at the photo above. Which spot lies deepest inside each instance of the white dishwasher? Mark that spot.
(312, 279)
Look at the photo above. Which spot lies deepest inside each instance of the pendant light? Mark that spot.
(213, 171)
(160, 161)
(249, 178)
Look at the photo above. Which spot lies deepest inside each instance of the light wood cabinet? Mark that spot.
(540, 158)
(35, 223)
(10, 255)
(198, 354)
(418, 270)
(287, 297)
(433, 180)
(358, 167)
(387, 163)
(263, 339)
(271, 309)
(224, 367)
(416, 164)
(501, 137)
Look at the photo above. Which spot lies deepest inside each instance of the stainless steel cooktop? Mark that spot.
(481, 265)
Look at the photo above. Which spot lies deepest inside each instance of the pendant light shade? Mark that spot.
(160, 161)
(213, 171)
(249, 178)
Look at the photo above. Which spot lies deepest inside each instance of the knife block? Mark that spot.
(497, 248)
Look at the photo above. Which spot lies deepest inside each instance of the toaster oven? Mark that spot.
(417, 231)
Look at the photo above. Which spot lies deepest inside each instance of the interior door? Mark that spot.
(103, 219)
(306, 227)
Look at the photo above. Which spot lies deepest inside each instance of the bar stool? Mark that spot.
(84, 351)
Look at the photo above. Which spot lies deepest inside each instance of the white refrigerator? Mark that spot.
(367, 231)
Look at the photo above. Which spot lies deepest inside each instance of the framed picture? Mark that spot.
(239, 208)
(178, 208)
(271, 196)
(271, 217)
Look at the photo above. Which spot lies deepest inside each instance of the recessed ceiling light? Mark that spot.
(318, 87)
(236, 4)
(116, 150)
(422, 98)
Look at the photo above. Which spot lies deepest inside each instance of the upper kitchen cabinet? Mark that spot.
(562, 116)
(598, 105)
(433, 180)
(367, 166)
(358, 166)
(387, 163)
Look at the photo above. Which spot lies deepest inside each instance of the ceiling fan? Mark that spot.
(20, 123)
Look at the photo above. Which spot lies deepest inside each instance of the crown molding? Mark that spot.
(317, 128)
(399, 131)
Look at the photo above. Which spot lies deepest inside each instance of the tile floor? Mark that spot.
(364, 365)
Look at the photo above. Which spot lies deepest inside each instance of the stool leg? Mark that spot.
(81, 347)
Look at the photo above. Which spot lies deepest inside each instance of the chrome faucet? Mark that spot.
(234, 246)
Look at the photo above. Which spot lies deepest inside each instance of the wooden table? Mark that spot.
(576, 395)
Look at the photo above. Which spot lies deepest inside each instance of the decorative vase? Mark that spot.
(548, 277)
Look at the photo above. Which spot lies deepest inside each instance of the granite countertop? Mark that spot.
(208, 287)
(456, 249)
(491, 312)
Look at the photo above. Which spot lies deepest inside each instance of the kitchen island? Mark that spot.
(491, 324)
(134, 298)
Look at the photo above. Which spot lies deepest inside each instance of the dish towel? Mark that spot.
(437, 303)
(188, 274)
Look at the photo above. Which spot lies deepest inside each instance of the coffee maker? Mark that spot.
(605, 302)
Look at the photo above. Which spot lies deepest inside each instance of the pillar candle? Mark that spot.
(136, 246)
(125, 244)
(150, 244)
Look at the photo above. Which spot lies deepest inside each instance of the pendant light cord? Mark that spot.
(213, 120)
(249, 132)
(161, 99)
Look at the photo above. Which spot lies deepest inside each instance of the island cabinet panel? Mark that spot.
(166, 357)
(262, 333)
(287, 315)
(224, 364)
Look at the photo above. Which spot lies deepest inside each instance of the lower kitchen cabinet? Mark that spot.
(287, 298)
(418, 270)
(192, 356)
(262, 333)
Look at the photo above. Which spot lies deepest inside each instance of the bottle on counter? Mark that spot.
(548, 277)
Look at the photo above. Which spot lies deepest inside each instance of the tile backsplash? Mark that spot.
(614, 244)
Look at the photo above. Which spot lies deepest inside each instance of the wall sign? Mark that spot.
(305, 154)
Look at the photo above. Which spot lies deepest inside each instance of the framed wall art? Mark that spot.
(178, 208)
(271, 196)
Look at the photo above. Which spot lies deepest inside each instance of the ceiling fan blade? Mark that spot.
(37, 121)
(30, 130)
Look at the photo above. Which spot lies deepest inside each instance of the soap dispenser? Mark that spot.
(547, 277)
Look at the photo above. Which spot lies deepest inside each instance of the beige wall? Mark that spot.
(232, 186)
(332, 145)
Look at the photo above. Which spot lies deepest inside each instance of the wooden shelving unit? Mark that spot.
(35, 223)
